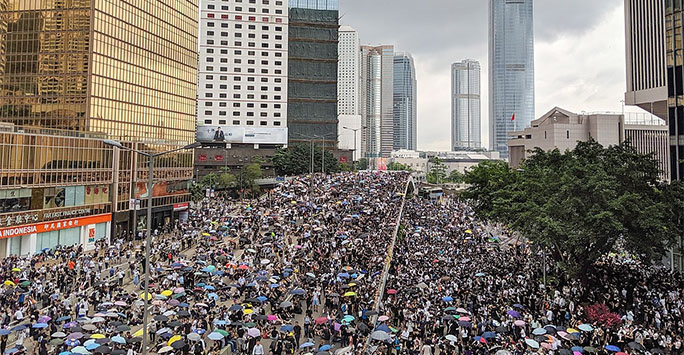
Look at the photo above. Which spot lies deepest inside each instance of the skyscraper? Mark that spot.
(376, 93)
(312, 65)
(465, 105)
(242, 93)
(348, 77)
(75, 72)
(405, 101)
(511, 69)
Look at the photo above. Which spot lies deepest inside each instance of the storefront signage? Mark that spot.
(62, 214)
(19, 219)
(180, 206)
(53, 226)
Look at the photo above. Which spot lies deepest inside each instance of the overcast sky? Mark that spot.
(579, 53)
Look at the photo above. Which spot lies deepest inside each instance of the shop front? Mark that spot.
(36, 237)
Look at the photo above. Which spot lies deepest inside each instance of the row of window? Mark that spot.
(263, 2)
(237, 113)
(239, 61)
(238, 26)
(239, 70)
(238, 104)
(238, 123)
(249, 35)
(264, 10)
(239, 18)
(239, 78)
(249, 44)
(239, 96)
(250, 53)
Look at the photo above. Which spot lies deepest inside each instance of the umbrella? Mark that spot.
(103, 349)
(513, 314)
(325, 347)
(286, 304)
(636, 346)
(321, 320)
(54, 335)
(298, 291)
(612, 348)
(391, 292)
(539, 331)
(489, 335)
(165, 349)
(306, 345)
(380, 335)
(56, 342)
(118, 339)
(80, 350)
(254, 332)
(447, 299)
(383, 318)
(585, 327)
(215, 336)
(532, 343)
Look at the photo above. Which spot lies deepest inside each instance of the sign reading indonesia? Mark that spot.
(10, 232)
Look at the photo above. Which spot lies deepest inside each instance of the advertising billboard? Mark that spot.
(229, 134)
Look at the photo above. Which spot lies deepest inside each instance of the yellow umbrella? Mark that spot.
(206, 234)
(173, 339)
(293, 202)
(97, 336)
(247, 311)
(9, 283)
(139, 333)
(246, 305)
(146, 296)
(167, 293)
(350, 294)
(16, 269)
(351, 284)
(468, 231)
(572, 330)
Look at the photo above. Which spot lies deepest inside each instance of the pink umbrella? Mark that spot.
(178, 290)
(254, 332)
(519, 323)
(465, 319)
(383, 318)
(337, 326)
(321, 320)
(272, 317)
(173, 302)
(120, 303)
(547, 346)
(298, 246)
(392, 292)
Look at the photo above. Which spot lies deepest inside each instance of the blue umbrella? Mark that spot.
(274, 285)
(215, 336)
(612, 348)
(65, 353)
(465, 324)
(479, 274)
(119, 339)
(183, 305)
(92, 346)
(214, 296)
(579, 349)
(19, 327)
(72, 342)
(324, 347)
(343, 275)
(62, 319)
(447, 299)
(39, 326)
(384, 328)
(298, 291)
(517, 305)
(262, 299)
(209, 287)
(489, 335)
(4, 331)
(201, 284)
(306, 345)
(513, 314)
(251, 284)
(286, 328)
(11, 351)
(235, 307)
(220, 322)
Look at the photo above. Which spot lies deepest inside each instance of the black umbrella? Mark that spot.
(262, 317)
(103, 349)
(102, 340)
(178, 344)
(123, 328)
(183, 313)
(135, 340)
(161, 318)
(502, 330)
(565, 352)
(636, 346)
(174, 323)
(371, 313)
(118, 352)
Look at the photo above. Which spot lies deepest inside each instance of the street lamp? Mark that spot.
(148, 237)
(354, 130)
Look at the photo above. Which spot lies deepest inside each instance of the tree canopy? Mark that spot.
(296, 160)
(582, 204)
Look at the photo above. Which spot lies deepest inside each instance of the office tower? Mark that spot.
(511, 69)
(405, 102)
(645, 54)
(348, 77)
(376, 104)
(312, 85)
(75, 72)
(465, 105)
(675, 65)
(242, 94)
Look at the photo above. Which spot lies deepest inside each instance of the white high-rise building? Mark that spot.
(348, 76)
(242, 91)
(465, 105)
(376, 101)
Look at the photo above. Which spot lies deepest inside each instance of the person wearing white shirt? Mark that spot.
(258, 349)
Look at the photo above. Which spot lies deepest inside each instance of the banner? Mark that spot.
(230, 134)
(54, 225)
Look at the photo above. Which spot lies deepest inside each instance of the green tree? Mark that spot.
(250, 173)
(394, 166)
(456, 177)
(582, 204)
(362, 164)
(437, 173)
(296, 160)
(210, 181)
(227, 181)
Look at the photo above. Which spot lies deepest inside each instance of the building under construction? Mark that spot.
(312, 66)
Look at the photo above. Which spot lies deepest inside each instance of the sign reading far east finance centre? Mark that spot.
(231, 134)
(10, 232)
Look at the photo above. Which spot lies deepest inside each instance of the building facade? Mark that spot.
(561, 129)
(376, 94)
(511, 69)
(348, 86)
(242, 79)
(312, 87)
(405, 102)
(73, 73)
(465, 105)
(645, 54)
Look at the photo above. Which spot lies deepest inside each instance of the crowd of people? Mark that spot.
(301, 271)
(454, 288)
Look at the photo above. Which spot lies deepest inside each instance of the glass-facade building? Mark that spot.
(405, 100)
(313, 29)
(511, 69)
(465, 106)
(377, 102)
(74, 72)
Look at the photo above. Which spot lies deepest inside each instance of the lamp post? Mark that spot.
(354, 130)
(148, 237)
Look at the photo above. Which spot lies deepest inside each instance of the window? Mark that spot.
(279, 29)
(238, 26)
(251, 53)
(237, 78)
(210, 41)
(252, 18)
(252, 27)
(224, 25)
(224, 7)
(208, 103)
(238, 17)
(224, 60)
(224, 51)
(208, 113)
(277, 97)
(251, 62)
(264, 97)
(264, 45)
(238, 70)
(277, 88)
(210, 15)
(222, 113)
(264, 11)
(251, 88)
(210, 24)
(222, 122)
(278, 63)
(209, 86)
(236, 96)
(237, 61)
(238, 44)
(210, 59)
(276, 106)
(224, 17)
(251, 78)
(250, 114)
(208, 95)
(279, 11)
(236, 104)
(277, 114)
(224, 68)
(279, 20)
(252, 9)
(250, 105)
(237, 87)
(223, 95)
(278, 37)
(210, 7)
(224, 43)
(236, 122)
(222, 104)
(251, 35)
(250, 70)
(210, 77)
(263, 105)
(264, 54)
(250, 123)
(210, 50)
(264, 62)
(264, 80)
(251, 44)
(224, 34)
(238, 35)
(265, 19)
(567, 134)
(263, 114)
(223, 86)
(278, 71)
(237, 52)
(278, 45)
(264, 88)
(276, 123)
(264, 71)
(250, 96)
(278, 54)
(264, 28)
(205, 122)
(236, 113)
(263, 123)
(223, 77)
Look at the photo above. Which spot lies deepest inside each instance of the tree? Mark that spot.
(437, 173)
(362, 164)
(456, 177)
(296, 160)
(394, 166)
(582, 204)
(250, 173)
(210, 181)
(227, 181)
